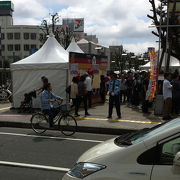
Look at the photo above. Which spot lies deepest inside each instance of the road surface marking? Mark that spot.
(15, 115)
(84, 118)
(50, 137)
(34, 166)
(120, 120)
(4, 108)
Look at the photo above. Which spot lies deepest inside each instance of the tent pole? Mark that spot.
(67, 80)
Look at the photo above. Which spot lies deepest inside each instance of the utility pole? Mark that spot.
(167, 39)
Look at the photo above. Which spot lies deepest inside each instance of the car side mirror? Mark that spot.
(176, 164)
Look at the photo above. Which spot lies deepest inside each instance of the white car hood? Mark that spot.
(99, 150)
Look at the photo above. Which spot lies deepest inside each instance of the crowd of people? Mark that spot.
(126, 88)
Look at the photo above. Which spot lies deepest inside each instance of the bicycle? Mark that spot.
(5, 93)
(66, 123)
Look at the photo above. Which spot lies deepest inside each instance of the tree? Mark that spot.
(160, 20)
(62, 34)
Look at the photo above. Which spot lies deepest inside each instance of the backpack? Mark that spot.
(68, 89)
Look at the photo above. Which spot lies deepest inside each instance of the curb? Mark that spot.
(83, 129)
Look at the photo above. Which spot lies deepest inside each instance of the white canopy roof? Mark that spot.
(174, 62)
(83, 41)
(50, 53)
(73, 47)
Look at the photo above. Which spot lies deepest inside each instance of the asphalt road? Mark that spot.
(29, 156)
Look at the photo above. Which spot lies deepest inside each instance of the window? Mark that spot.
(2, 48)
(9, 35)
(26, 35)
(10, 47)
(33, 36)
(17, 35)
(33, 46)
(17, 47)
(26, 47)
(162, 154)
(2, 36)
(148, 157)
(168, 151)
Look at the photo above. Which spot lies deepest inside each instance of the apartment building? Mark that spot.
(17, 41)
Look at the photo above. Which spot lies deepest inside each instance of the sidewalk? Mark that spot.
(132, 119)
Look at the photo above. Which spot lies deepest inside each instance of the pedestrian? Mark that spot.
(135, 91)
(114, 91)
(145, 103)
(74, 94)
(176, 93)
(88, 82)
(103, 89)
(123, 90)
(167, 94)
(129, 84)
(82, 95)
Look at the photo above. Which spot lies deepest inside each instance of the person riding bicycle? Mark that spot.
(47, 99)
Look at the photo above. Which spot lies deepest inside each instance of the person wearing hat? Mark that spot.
(114, 91)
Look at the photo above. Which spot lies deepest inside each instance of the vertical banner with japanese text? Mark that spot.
(150, 94)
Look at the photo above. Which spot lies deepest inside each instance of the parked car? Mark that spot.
(149, 154)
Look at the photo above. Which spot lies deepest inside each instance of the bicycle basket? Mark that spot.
(66, 108)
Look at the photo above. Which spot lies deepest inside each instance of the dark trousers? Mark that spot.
(122, 93)
(167, 108)
(145, 105)
(51, 113)
(79, 100)
(103, 96)
(176, 105)
(114, 99)
(89, 97)
(75, 104)
(129, 94)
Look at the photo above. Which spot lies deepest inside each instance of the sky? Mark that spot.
(115, 22)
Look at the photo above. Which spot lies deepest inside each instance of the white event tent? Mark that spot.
(73, 47)
(174, 64)
(51, 61)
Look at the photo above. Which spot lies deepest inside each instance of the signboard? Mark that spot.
(33, 50)
(88, 59)
(79, 25)
(150, 94)
(6, 5)
(74, 70)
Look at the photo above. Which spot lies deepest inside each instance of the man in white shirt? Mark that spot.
(167, 94)
(88, 83)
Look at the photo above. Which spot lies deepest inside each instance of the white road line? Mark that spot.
(34, 166)
(50, 137)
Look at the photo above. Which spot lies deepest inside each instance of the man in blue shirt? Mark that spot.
(47, 99)
(114, 92)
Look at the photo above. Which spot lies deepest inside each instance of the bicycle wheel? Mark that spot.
(67, 125)
(39, 123)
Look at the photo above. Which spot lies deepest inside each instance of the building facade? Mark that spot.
(17, 41)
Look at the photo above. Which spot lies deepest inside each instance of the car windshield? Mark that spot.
(136, 137)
